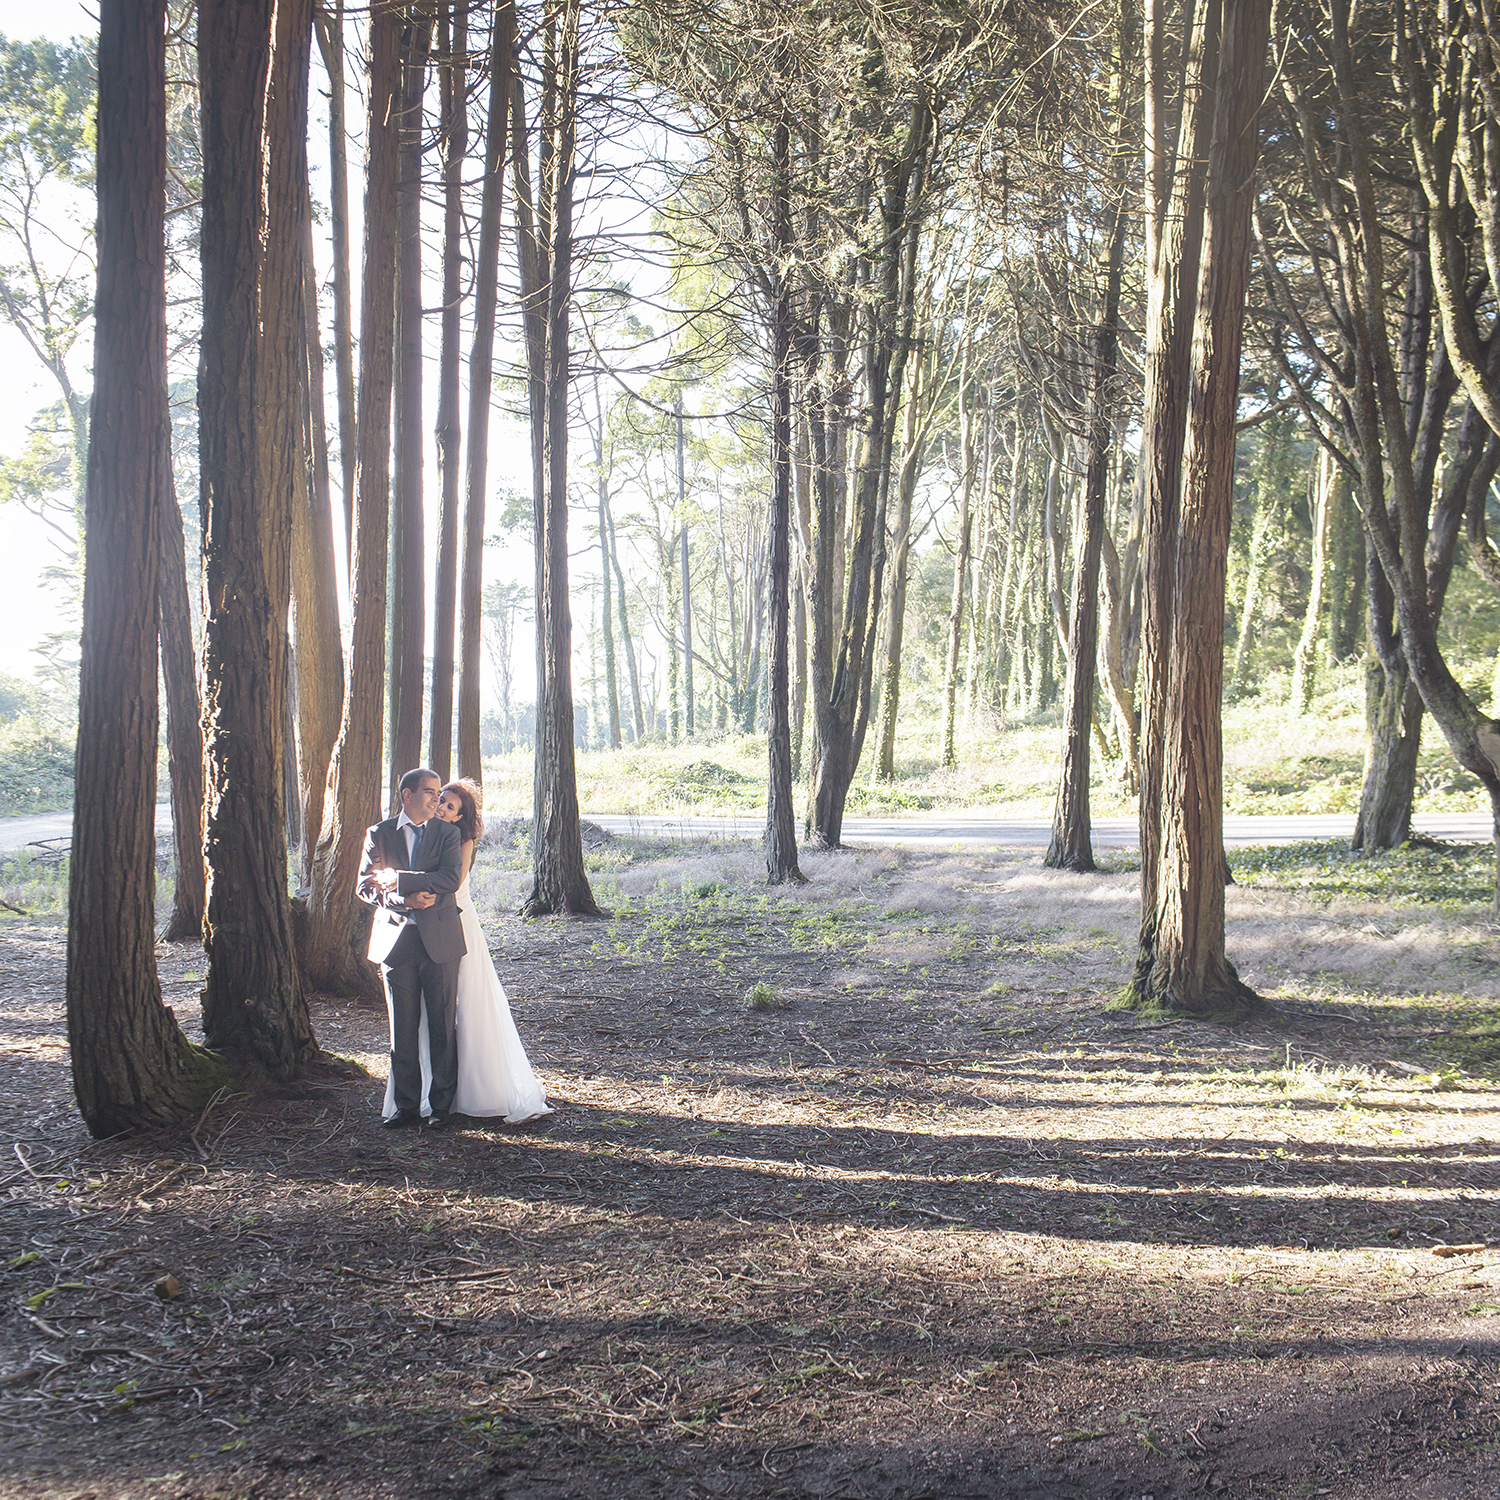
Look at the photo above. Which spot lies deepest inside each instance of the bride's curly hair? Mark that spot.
(470, 823)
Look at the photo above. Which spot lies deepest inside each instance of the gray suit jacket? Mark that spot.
(438, 868)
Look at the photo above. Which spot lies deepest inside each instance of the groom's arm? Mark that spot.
(366, 888)
(446, 877)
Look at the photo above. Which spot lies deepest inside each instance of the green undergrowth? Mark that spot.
(35, 883)
(36, 769)
(1275, 761)
(1447, 876)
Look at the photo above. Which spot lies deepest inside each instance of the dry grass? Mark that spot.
(1275, 762)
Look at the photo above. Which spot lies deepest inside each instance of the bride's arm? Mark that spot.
(468, 857)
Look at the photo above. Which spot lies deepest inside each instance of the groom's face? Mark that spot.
(421, 800)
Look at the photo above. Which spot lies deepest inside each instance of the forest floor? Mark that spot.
(936, 1222)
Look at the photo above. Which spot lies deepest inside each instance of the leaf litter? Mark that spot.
(940, 1223)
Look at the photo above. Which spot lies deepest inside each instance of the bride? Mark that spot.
(494, 1076)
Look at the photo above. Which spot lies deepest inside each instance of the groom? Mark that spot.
(412, 865)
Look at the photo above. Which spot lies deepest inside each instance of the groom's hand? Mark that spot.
(421, 900)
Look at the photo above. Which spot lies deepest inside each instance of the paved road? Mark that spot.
(1109, 833)
(17, 832)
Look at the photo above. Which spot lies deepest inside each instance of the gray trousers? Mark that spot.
(412, 980)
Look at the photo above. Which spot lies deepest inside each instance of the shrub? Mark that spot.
(36, 769)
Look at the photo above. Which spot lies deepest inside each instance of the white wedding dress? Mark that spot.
(494, 1076)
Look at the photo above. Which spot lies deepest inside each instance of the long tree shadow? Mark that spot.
(442, 1314)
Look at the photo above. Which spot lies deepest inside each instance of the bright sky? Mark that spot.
(25, 609)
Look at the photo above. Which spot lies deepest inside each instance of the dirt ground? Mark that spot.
(940, 1225)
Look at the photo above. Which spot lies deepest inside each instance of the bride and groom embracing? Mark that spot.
(454, 1047)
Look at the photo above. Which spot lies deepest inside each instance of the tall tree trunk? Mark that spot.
(1072, 835)
(1052, 529)
(481, 372)
(687, 580)
(890, 697)
(454, 47)
(253, 78)
(635, 676)
(1174, 202)
(841, 684)
(533, 261)
(1268, 504)
(318, 659)
(802, 497)
(560, 883)
(1347, 569)
(407, 586)
(330, 27)
(606, 583)
(1393, 718)
(132, 1066)
(1190, 971)
(1011, 563)
(336, 920)
(966, 398)
(781, 815)
(184, 734)
(1327, 478)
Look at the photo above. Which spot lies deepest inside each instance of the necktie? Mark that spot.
(416, 843)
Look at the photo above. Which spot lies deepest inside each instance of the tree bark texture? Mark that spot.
(253, 78)
(1190, 971)
(636, 701)
(966, 399)
(1071, 847)
(407, 586)
(481, 372)
(841, 686)
(606, 581)
(781, 815)
(184, 732)
(335, 918)
(912, 454)
(687, 581)
(560, 883)
(330, 24)
(132, 1066)
(1175, 180)
(1328, 481)
(454, 47)
(1399, 449)
(318, 650)
(1393, 714)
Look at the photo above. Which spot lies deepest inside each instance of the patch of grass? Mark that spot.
(1275, 761)
(1442, 875)
(763, 997)
(1472, 1043)
(35, 882)
(36, 769)
(706, 782)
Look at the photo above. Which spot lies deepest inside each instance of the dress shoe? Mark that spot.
(435, 1121)
(403, 1119)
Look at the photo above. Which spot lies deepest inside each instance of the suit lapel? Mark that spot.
(393, 840)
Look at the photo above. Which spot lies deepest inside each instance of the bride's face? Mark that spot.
(449, 809)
